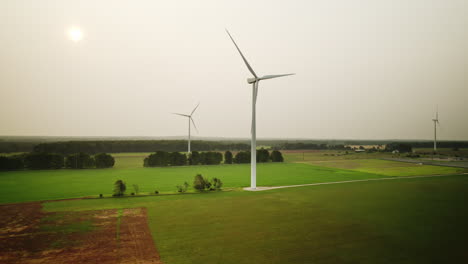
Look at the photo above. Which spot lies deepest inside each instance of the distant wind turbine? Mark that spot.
(436, 122)
(193, 122)
(254, 81)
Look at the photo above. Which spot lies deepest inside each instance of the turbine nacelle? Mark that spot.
(252, 80)
(266, 77)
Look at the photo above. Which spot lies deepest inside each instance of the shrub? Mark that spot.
(182, 188)
(136, 188)
(276, 156)
(79, 161)
(156, 192)
(242, 157)
(211, 158)
(38, 161)
(158, 159)
(119, 188)
(104, 160)
(194, 158)
(11, 162)
(100, 195)
(199, 183)
(216, 184)
(263, 155)
(177, 159)
(228, 157)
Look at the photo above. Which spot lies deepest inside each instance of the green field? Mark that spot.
(400, 221)
(21, 186)
(385, 167)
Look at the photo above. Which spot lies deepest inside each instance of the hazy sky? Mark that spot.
(368, 69)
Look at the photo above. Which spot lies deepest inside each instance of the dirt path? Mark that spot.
(266, 188)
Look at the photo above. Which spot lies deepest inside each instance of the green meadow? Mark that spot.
(385, 167)
(401, 221)
(22, 186)
(406, 220)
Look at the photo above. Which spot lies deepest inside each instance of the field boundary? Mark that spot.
(266, 188)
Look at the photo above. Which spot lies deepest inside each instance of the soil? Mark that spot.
(29, 235)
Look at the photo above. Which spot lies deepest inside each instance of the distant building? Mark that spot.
(359, 150)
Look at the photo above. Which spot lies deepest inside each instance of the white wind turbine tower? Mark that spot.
(254, 81)
(193, 122)
(436, 122)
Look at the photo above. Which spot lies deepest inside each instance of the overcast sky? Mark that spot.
(369, 69)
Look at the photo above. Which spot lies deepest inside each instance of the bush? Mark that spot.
(177, 159)
(11, 162)
(211, 158)
(216, 184)
(182, 188)
(263, 155)
(156, 192)
(100, 195)
(119, 188)
(42, 161)
(194, 158)
(199, 183)
(158, 159)
(79, 161)
(104, 160)
(202, 184)
(276, 156)
(228, 157)
(242, 157)
(136, 188)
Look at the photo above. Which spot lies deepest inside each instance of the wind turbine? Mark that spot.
(436, 122)
(254, 81)
(189, 119)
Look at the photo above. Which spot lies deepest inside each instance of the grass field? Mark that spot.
(385, 167)
(403, 221)
(21, 186)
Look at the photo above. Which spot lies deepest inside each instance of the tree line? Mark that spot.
(92, 147)
(163, 158)
(301, 145)
(43, 161)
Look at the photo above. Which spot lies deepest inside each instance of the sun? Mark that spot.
(75, 34)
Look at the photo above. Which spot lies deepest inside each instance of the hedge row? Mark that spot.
(43, 161)
(163, 158)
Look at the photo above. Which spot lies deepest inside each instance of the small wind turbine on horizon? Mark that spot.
(190, 119)
(436, 122)
(254, 81)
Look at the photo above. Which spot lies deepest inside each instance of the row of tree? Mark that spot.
(263, 155)
(301, 145)
(118, 146)
(43, 161)
(163, 159)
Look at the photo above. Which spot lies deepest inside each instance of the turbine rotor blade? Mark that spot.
(266, 77)
(181, 114)
(194, 109)
(242, 55)
(193, 122)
